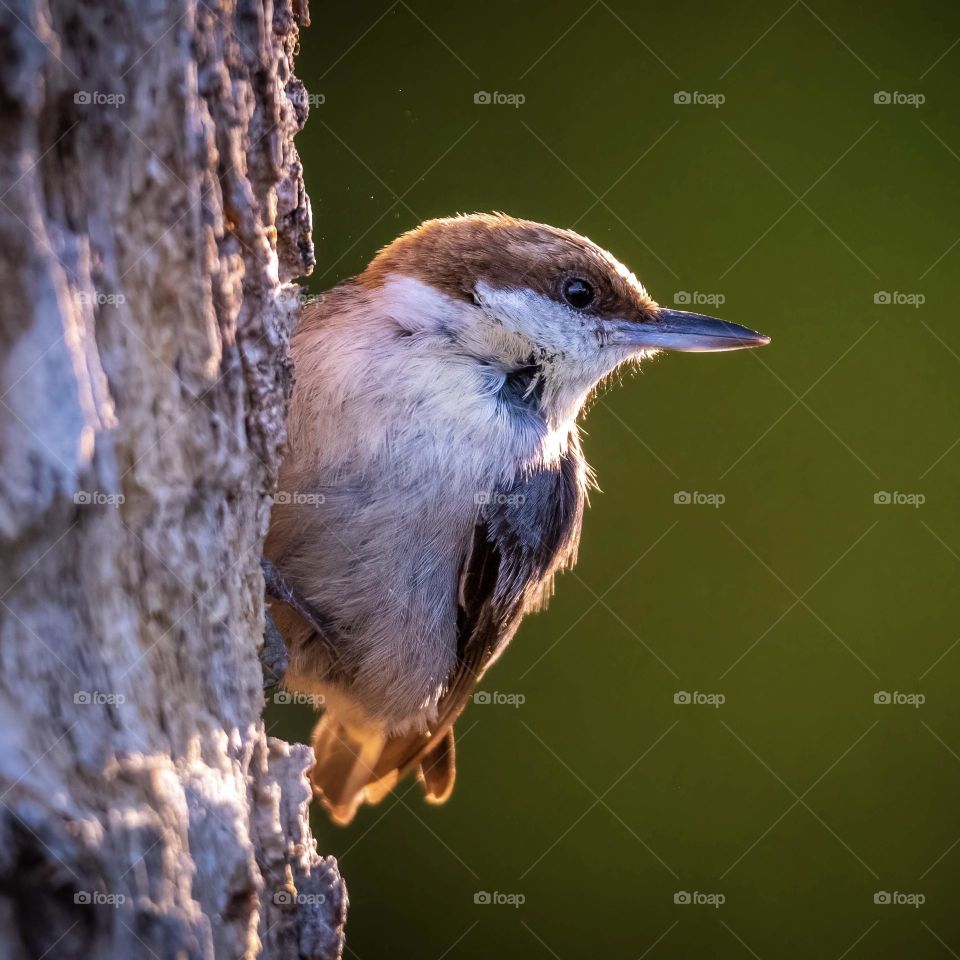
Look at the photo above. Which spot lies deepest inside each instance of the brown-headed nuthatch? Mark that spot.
(435, 484)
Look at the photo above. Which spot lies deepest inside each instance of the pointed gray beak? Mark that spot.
(694, 333)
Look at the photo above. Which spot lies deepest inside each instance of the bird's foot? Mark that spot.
(273, 653)
(277, 587)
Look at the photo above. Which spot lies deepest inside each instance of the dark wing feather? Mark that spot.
(527, 534)
(523, 537)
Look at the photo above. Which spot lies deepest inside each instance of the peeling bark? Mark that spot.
(152, 216)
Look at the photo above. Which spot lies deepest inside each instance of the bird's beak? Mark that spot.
(693, 333)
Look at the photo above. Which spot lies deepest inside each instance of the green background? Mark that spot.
(797, 200)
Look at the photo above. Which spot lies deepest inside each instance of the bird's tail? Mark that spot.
(358, 765)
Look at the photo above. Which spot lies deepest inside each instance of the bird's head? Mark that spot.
(547, 309)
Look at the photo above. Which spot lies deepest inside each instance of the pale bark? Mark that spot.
(144, 325)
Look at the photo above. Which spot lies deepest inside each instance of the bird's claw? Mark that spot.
(273, 653)
(277, 587)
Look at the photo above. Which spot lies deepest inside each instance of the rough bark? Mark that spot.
(152, 214)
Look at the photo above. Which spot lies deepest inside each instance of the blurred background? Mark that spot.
(777, 539)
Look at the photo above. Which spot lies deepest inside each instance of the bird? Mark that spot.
(435, 483)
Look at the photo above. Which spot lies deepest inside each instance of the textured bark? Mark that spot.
(152, 214)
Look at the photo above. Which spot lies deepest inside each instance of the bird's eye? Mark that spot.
(578, 293)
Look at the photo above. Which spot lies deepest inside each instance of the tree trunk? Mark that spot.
(152, 215)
